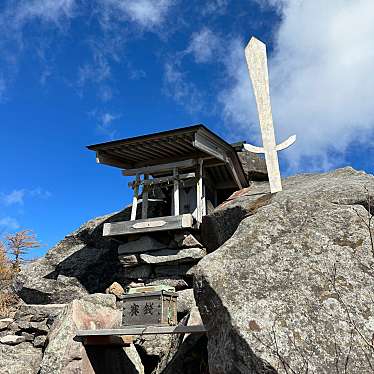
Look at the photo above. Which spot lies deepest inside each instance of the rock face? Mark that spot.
(64, 353)
(286, 287)
(19, 359)
(23, 337)
(221, 224)
(82, 263)
(291, 290)
(173, 256)
(254, 166)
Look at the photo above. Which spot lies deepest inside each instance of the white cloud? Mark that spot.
(18, 13)
(9, 223)
(14, 197)
(236, 99)
(321, 78)
(203, 45)
(17, 197)
(105, 121)
(215, 7)
(15, 16)
(46, 10)
(179, 88)
(146, 13)
(40, 193)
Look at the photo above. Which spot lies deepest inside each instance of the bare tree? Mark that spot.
(5, 267)
(19, 244)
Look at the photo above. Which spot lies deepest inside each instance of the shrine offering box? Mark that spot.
(150, 308)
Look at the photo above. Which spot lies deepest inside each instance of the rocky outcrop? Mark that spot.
(291, 290)
(66, 354)
(23, 358)
(286, 285)
(220, 225)
(23, 337)
(254, 166)
(82, 263)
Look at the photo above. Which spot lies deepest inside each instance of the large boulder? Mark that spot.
(66, 354)
(173, 256)
(23, 358)
(254, 165)
(220, 225)
(83, 262)
(291, 290)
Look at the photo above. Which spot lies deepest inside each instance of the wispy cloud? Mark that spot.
(55, 11)
(177, 86)
(148, 14)
(215, 7)
(40, 193)
(235, 97)
(9, 223)
(17, 197)
(104, 122)
(118, 20)
(15, 16)
(203, 45)
(321, 80)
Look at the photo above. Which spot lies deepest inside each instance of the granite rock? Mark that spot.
(293, 285)
(20, 359)
(83, 262)
(12, 339)
(115, 289)
(173, 256)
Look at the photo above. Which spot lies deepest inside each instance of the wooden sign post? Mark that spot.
(255, 54)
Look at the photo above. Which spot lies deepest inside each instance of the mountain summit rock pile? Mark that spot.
(283, 283)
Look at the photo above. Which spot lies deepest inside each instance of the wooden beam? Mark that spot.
(110, 160)
(144, 330)
(206, 145)
(145, 198)
(148, 225)
(170, 178)
(234, 174)
(176, 192)
(160, 168)
(200, 199)
(135, 199)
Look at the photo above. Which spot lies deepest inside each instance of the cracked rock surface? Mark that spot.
(293, 287)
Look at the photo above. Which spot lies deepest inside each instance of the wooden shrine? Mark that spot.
(193, 168)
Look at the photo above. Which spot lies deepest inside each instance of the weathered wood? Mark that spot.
(160, 180)
(110, 160)
(145, 199)
(150, 309)
(176, 192)
(200, 199)
(153, 150)
(234, 174)
(255, 54)
(206, 145)
(134, 206)
(145, 330)
(160, 168)
(148, 225)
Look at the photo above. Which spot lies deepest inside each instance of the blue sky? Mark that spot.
(78, 72)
